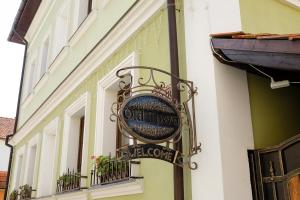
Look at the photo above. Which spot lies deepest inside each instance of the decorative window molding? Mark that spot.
(59, 58)
(33, 152)
(124, 188)
(83, 27)
(143, 10)
(81, 107)
(101, 115)
(48, 159)
(19, 166)
(294, 3)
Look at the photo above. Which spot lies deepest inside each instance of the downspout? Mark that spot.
(173, 45)
(17, 114)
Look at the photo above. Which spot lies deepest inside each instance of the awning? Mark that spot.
(276, 55)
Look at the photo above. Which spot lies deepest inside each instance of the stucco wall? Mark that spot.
(151, 45)
(275, 113)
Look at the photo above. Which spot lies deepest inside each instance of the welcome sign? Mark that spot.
(152, 151)
(149, 114)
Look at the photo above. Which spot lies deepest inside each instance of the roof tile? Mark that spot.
(6, 127)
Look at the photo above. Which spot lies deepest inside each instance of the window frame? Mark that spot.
(102, 86)
(83, 102)
(35, 141)
(51, 129)
(20, 152)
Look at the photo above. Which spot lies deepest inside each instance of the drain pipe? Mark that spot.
(17, 115)
(173, 45)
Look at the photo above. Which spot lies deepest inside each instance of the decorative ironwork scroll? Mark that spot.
(149, 114)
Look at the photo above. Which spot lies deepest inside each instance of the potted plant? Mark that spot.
(13, 195)
(25, 192)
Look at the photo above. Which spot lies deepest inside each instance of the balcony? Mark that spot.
(109, 170)
(69, 181)
(24, 192)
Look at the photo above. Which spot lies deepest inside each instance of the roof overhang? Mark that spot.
(23, 19)
(278, 58)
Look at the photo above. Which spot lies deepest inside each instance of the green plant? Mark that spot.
(68, 178)
(25, 192)
(13, 195)
(107, 164)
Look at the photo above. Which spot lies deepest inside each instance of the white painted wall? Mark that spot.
(4, 156)
(222, 106)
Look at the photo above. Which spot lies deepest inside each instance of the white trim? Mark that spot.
(20, 152)
(104, 3)
(114, 190)
(80, 195)
(51, 129)
(83, 102)
(82, 29)
(39, 20)
(35, 141)
(294, 3)
(130, 24)
(59, 58)
(106, 82)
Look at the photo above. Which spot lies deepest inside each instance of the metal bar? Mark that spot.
(178, 171)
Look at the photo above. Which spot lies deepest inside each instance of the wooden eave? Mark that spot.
(277, 55)
(23, 19)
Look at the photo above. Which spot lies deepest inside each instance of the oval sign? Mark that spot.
(150, 118)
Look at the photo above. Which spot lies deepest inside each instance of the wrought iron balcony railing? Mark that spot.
(69, 181)
(24, 192)
(112, 171)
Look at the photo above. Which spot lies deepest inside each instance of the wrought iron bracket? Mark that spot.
(156, 82)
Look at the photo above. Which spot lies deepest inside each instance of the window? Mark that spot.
(19, 172)
(19, 166)
(121, 140)
(81, 10)
(85, 7)
(48, 161)
(44, 57)
(107, 138)
(30, 78)
(31, 164)
(61, 31)
(75, 138)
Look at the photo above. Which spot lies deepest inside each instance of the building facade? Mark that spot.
(73, 51)
(6, 128)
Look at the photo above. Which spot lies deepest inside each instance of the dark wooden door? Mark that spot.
(275, 171)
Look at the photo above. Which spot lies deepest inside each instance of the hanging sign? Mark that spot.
(150, 118)
(147, 112)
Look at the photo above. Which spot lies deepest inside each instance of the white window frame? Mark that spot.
(50, 129)
(106, 82)
(20, 152)
(55, 50)
(30, 77)
(35, 141)
(83, 102)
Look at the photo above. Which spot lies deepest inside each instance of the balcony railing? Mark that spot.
(112, 171)
(69, 181)
(24, 192)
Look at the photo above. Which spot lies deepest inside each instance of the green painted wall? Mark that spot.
(269, 16)
(105, 20)
(275, 113)
(151, 44)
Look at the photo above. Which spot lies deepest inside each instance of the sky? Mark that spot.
(11, 60)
